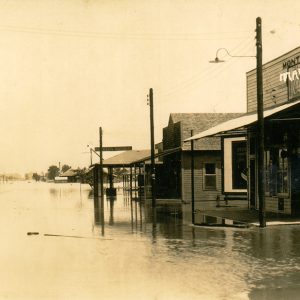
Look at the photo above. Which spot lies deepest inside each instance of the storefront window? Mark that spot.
(210, 182)
(282, 175)
(276, 171)
(239, 165)
(267, 171)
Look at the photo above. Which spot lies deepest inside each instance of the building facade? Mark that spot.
(281, 90)
(176, 178)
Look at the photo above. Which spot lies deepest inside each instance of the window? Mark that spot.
(210, 180)
(282, 174)
(239, 165)
(267, 172)
(276, 171)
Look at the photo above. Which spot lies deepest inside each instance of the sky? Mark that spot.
(68, 67)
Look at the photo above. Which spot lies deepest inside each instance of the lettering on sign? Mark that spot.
(291, 75)
(291, 62)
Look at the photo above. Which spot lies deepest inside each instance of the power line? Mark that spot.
(116, 35)
(208, 72)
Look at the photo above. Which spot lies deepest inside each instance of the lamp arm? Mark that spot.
(94, 151)
(232, 55)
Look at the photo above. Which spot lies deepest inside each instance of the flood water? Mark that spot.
(74, 256)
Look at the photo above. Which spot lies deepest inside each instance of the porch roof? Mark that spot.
(240, 122)
(126, 159)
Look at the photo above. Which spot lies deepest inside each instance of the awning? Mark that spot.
(126, 159)
(239, 122)
(160, 154)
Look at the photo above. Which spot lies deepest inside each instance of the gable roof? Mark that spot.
(69, 173)
(202, 121)
(199, 122)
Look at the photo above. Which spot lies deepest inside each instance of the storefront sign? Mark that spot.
(291, 76)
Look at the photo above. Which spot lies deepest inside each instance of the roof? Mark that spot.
(126, 158)
(199, 122)
(147, 159)
(202, 121)
(69, 173)
(92, 167)
(243, 121)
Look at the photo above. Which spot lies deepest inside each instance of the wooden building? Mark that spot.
(281, 94)
(175, 180)
(281, 89)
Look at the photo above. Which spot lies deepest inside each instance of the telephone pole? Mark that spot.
(260, 126)
(192, 179)
(153, 180)
(101, 163)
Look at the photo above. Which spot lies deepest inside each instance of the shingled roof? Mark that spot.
(202, 121)
(199, 122)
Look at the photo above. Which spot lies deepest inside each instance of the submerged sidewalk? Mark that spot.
(234, 217)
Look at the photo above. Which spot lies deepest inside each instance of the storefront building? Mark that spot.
(281, 95)
(175, 180)
(281, 88)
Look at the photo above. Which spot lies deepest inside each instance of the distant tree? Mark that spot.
(53, 171)
(36, 176)
(65, 168)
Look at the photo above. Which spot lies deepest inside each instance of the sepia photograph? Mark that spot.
(150, 150)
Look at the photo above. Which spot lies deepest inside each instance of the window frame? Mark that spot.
(211, 175)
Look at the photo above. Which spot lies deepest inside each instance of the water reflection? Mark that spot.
(178, 261)
(99, 213)
(111, 201)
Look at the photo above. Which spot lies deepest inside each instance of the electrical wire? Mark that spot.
(111, 35)
(208, 72)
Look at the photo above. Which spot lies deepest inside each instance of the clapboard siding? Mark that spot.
(272, 205)
(199, 160)
(275, 92)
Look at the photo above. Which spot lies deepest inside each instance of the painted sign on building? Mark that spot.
(291, 76)
(281, 81)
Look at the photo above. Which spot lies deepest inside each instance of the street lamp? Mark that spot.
(218, 60)
(260, 118)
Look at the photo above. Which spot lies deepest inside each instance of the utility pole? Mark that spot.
(153, 183)
(101, 179)
(192, 179)
(101, 163)
(260, 125)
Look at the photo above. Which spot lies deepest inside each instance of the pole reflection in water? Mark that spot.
(111, 200)
(136, 214)
(154, 228)
(99, 213)
(131, 210)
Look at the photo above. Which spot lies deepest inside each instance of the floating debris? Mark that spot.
(32, 233)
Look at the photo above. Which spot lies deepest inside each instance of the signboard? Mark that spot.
(281, 82)
(116, 148)
(291, 75)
